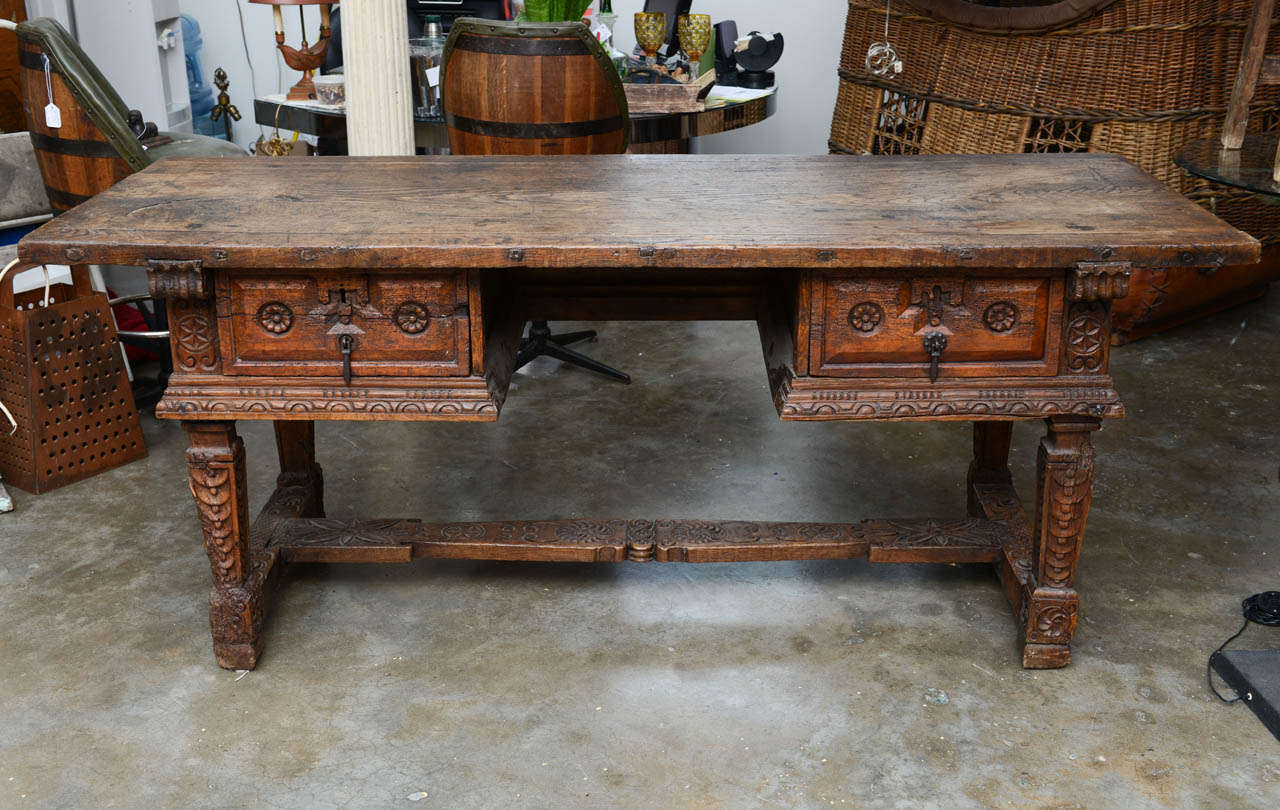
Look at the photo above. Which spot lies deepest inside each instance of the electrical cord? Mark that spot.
(253, 77)
(1261, 608)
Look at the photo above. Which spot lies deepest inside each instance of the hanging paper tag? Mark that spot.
(52, 115)
(433, 76)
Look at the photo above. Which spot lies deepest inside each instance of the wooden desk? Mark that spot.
(960, 288)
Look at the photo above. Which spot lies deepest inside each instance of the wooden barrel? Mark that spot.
(518, 88)
(75, 159)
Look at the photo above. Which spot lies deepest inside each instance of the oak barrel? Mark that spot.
(75, 159)
(521, 88)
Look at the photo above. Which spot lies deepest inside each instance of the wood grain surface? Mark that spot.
(644, 211)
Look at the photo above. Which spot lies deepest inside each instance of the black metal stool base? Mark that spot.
(540, 341)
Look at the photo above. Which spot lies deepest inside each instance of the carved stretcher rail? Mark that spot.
(392, 540)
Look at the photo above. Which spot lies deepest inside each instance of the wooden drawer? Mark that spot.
(875, 325)
(398, 324)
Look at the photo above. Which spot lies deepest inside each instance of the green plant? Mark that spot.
(554, 10)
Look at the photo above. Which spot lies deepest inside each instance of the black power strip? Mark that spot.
(1253, 674)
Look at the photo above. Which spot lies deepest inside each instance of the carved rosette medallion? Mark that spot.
(1001, 316)
(275, 317)
(1049, 617)
(412, 317)
(1052, 621)
(1086, 335)
(865, 317)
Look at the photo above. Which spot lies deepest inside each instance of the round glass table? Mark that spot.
(1252, 167)
(667, 133)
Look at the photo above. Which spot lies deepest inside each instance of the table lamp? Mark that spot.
(308, 57)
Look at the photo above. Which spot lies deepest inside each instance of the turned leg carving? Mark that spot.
(241, 573)
(1064, 488)
(296, 446)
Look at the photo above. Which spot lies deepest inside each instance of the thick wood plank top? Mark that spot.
(643, 211)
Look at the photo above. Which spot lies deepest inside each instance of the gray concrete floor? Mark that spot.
(743, 685)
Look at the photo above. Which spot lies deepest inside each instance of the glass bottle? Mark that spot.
(425, 56)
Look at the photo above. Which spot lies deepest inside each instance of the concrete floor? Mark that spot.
(744, 685)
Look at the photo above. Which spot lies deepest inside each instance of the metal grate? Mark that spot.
(899, 125)
(1057, 135)
(79, 417)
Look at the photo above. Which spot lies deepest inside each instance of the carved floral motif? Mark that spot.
(412, 317)
(1001, 316)
(865, 317)
(1053, 621)
(1086, 337)
(275, 317)
(931, 533)
(194, 344)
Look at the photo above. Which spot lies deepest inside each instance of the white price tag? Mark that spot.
(52, 115)
(433, 76)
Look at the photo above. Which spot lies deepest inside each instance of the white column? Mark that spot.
(375, 52)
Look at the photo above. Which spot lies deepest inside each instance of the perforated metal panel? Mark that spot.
(64, 380)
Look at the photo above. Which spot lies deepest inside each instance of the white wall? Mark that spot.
(806, 74)
(223, 47)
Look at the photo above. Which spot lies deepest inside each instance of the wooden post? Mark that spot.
(1251, 56)
(375, 53)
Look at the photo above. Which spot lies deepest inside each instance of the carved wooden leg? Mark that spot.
(990, 463)
(241, 574)
(1064, 487)
(296, 446)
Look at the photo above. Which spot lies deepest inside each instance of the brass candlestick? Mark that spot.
(224, 107)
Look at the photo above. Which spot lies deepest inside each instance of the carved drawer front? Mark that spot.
(935, 325)
(345, 324)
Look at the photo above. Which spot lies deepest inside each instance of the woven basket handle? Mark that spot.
(1009, 19)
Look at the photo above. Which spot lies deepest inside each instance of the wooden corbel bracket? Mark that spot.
(1100, 281)
(178, 279)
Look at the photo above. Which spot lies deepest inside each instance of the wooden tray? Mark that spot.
(648, 99)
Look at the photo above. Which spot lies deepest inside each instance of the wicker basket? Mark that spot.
(62, 378)
(1136, 77)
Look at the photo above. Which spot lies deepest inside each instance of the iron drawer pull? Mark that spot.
(935, 343)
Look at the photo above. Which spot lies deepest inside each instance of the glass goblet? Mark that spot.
(695, 35)
(651, 31)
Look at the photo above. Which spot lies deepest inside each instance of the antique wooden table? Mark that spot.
(917, 288)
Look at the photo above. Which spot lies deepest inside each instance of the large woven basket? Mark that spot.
(1139, 78)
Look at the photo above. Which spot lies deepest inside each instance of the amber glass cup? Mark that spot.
(651, 31)
(695, 35)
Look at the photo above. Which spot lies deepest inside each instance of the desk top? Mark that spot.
(702, 211)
